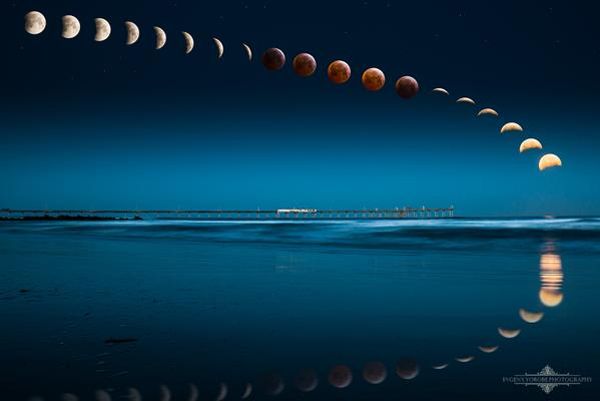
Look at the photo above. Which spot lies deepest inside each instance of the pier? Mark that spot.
(279, 214)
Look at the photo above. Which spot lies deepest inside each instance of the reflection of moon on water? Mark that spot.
(340, 376)
(193, 393)
(247, 391)
(407, 369)
(509, 333)
(440, 366)
(35, 23)
(306, 380)
(489, 349)
(375, 372)
(551, 276)
(530, 317)
(273, 384)
(465, 359)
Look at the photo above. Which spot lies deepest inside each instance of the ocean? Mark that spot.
(289, 310)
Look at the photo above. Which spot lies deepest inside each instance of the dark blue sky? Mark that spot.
(103, 125)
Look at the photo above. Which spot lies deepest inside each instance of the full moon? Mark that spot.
(102, 30)
(407, 87)
(373, 79)
(304, 65)
(273, 59)
(35, 22)
(71, 27)
(407, 369)
(339, 72)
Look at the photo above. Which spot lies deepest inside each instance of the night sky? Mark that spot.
(104, 125)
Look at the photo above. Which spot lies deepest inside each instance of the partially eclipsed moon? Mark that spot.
(488, 349)
(223, 390)
(161, 37)
(248, 51)
(101, 395)
(71, 27)
(220, 47)
(467, 100)
(509, 333)
(530, 317)
(189, 42)
(247, 391)
(487, 112)
(511, 127)
(441, 91)
(103, 30)
(529, 144)
(465, 359)
(440, 366)
(549, 161)
(194, 393)
(35, 22)
(165, 393)
(133, 32)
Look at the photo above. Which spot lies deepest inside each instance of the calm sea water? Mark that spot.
(348, 310)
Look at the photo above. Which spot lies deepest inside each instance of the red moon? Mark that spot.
(304, 64)
(273, 59)
(340, 376)
(375, 373)
(306, 381)
(373, 79)
(407, 87)
(407, 369)
(339, 72)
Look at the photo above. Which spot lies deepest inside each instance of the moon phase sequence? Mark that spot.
(304, 65)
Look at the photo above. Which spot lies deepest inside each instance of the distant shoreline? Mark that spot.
(70, 218)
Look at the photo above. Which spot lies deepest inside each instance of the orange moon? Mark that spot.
(339, 72)
(373, 79)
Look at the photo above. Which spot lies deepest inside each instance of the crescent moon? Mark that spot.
(161, 37)
(530, 317)
(189, 42)
(165, 393)
(194, 393)
(35, 22)
(487, 112)
(440, 367)
(223, 390)
(220, 48)
(488, 349)
(71, 27)
(247, 391)
(134, 394)
(509, 333)
(548, 161)
(511, 127)
(248, 51)
(133, 32)
(441, 91)
(529, 144)
(465, 359)
(103, 30)
(465, 100)
(102, 395)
